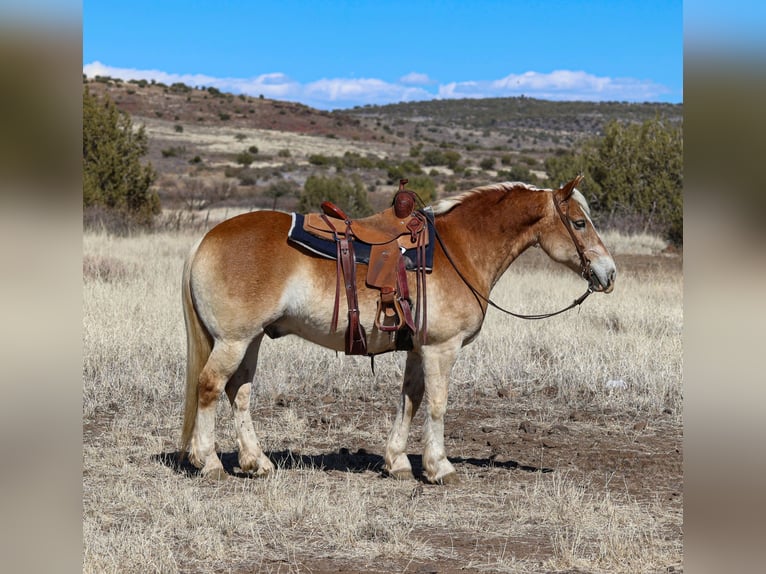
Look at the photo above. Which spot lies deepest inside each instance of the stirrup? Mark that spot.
(389, 306)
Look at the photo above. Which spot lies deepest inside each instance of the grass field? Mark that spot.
(566, 434)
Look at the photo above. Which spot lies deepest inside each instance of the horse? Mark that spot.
(243, 280)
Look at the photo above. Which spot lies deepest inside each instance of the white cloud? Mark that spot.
(416, 79)
(557, 85)
(361, 91)
(329, 93)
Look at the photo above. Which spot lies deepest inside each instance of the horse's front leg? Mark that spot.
(250, 454)
(397, 463)
(437, 365)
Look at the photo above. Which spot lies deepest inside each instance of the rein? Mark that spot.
(584, 261)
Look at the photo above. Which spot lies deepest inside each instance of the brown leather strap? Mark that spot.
(338, 272)
(584, 261)
(422, 298)
(356, 339)
(404, 296)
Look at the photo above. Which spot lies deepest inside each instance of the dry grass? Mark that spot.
(143, 513)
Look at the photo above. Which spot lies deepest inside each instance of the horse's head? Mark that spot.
(568, 236)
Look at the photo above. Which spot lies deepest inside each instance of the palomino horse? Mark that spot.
(243, 280)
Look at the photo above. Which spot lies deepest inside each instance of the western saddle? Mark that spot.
(389, 234)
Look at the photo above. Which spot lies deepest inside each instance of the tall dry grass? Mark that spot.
(142, 515)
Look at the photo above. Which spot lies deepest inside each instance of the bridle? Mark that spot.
(585, 270)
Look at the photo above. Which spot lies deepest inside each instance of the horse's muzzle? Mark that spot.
(602, 279)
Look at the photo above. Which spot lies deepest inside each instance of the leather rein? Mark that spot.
(584, 263)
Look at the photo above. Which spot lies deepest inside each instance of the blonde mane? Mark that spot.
(447, 204)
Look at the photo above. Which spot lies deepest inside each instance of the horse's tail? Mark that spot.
(199, 345)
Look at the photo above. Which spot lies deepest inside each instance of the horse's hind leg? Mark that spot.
(397, 463)
(223, 362)
(238, 389)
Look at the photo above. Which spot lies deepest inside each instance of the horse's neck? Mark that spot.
(485, 237)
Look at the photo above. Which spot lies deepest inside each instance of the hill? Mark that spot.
(217, 149)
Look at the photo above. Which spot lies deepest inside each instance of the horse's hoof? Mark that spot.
(263, 472)
(449, 479)
(403, 474)
(215, 475)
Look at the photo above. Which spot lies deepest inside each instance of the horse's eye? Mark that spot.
(579, 224)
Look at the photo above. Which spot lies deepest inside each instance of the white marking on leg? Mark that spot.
(437, 364)
(397, 463)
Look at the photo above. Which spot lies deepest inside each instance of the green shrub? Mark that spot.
(245, 158)
(114, 178)
(348, 194)
(487, 163)
(452, 158)
(434, 157)
(633, 176)
(424, 186)
(319, 159)
(280, 188)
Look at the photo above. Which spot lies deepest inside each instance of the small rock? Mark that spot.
(559, 428)
(528, 427)
(576, 415)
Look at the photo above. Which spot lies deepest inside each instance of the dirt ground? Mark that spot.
(498, 441)
(492, 443)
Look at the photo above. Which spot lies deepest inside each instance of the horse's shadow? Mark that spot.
(343, 461)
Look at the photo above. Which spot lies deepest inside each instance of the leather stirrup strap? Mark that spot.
(338, 272)
(423, 326)
(356, 340)
(404, 296)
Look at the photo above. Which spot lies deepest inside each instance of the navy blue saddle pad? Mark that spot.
(328, 249)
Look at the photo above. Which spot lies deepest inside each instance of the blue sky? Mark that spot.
(338, 54)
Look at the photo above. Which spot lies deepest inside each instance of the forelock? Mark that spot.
(580, 198)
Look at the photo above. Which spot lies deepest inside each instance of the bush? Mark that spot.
(434, 157)
(424, 186)
(633, 174)
(245, 158)
(280, 188)
(348, 194)
(114, 180)
(319, 159)
(517, 173)
(487, 163)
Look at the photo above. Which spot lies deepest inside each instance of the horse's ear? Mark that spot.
(567, 189)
